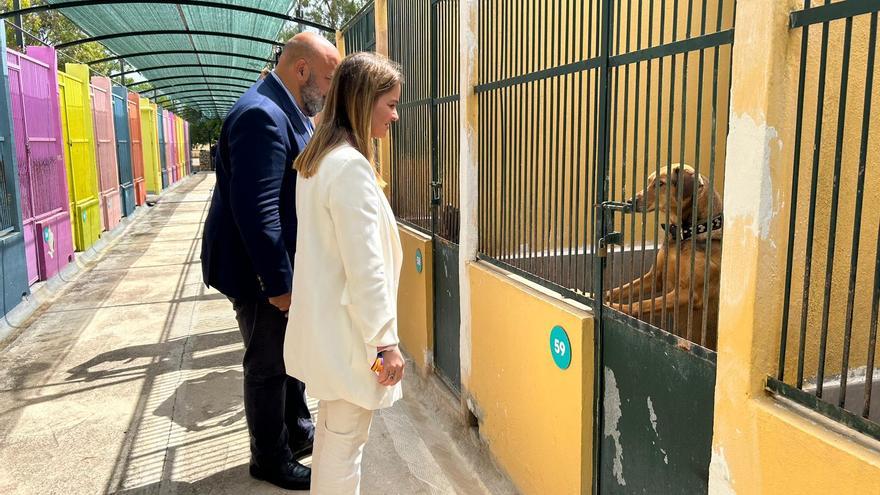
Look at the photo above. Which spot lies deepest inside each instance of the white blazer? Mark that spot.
(345, 279)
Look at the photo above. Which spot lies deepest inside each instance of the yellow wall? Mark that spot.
(415, 308)
(762, 444)
(536, 418)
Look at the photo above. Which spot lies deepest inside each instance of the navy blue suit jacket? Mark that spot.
(249, 240)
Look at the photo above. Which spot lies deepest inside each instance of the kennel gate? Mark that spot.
(577, 104)
(424, 155)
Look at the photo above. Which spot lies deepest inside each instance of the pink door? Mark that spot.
(105, 152)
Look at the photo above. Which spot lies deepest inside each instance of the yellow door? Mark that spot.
(76, 117)
(150, 145)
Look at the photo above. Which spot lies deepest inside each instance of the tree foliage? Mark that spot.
(52, 28)
(332, 13)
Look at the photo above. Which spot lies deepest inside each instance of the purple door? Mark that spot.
(42, 179)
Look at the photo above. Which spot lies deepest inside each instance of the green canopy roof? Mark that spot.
(215, 46)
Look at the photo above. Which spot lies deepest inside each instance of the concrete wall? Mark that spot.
(415, 300)
(536, 417)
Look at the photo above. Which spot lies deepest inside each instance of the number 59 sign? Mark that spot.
(560, 347)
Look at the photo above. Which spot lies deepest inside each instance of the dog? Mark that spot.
(680, 310)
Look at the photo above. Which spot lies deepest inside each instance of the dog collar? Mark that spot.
(685, 233)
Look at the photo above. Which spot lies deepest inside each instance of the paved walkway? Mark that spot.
(129, 381)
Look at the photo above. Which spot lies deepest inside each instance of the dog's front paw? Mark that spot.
(611, 295)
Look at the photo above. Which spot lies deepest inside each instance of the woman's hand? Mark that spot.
(392, 367)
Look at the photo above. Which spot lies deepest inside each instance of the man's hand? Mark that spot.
(281, 302)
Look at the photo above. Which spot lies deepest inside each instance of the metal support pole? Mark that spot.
(19, 35)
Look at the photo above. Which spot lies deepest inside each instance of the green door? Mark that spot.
(660, 101)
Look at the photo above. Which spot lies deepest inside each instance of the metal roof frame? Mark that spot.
(154, 32)
(216, 87)
(213, 85)
(174, 52)
(194, 74)
(213, 88)
(224, 92)
(195, 3)
(172, 66)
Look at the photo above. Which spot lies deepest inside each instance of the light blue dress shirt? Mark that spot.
(310, 128)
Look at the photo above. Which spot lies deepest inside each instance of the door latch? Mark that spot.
(436, 186)
(609, 236)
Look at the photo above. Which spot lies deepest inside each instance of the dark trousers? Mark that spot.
(274, 403)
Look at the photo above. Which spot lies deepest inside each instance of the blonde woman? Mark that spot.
(343, 313)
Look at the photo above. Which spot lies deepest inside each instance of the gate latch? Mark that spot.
(435, 192)
(609, 235)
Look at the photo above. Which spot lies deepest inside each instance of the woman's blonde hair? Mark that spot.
(359, 81)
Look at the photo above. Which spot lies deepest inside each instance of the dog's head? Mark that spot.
(666, 187)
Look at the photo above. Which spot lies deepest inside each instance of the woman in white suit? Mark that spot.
(343, 314)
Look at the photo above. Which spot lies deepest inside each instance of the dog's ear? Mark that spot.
(684, 179)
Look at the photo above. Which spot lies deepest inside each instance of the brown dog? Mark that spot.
(670, 295)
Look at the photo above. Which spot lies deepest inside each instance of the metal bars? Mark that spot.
(360, 32)
(832, 279)
(409, 27)
(564, 126)
(445, 119)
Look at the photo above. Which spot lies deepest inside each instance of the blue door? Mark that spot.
(123, 148)
(12, 255)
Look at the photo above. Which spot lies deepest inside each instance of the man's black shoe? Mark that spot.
(289, 475)
(302, 449)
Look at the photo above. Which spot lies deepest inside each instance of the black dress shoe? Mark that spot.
(289, 475)
(302, 449)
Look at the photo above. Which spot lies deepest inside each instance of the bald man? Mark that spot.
(249, 242)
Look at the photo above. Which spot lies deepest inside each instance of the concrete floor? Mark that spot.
(129, 381)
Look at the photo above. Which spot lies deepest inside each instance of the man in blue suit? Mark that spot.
(249, 243)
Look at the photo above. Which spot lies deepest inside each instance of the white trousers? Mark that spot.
(340, 436)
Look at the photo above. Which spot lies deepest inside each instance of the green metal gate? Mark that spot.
(587, 111)
(359, 33)
(424, 154)
(657, 386)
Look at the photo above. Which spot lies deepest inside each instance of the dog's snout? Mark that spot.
(635, 203)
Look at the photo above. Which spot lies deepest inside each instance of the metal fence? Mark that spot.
(425, 142)
(445, 119)
(565, 125)
(360, 32)
(832, 286)
(409, 24)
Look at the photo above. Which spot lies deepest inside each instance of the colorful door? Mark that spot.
(12, 256)
(43, 189)
(105, 146)
(187, 147)
(123, 148)
(160, 137)
(150, 147)
(137, 154)
(181, 156)
(171, 145)
(78, 132)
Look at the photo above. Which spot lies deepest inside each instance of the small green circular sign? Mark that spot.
(84, 215)
(420, 263)
(560, 347)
